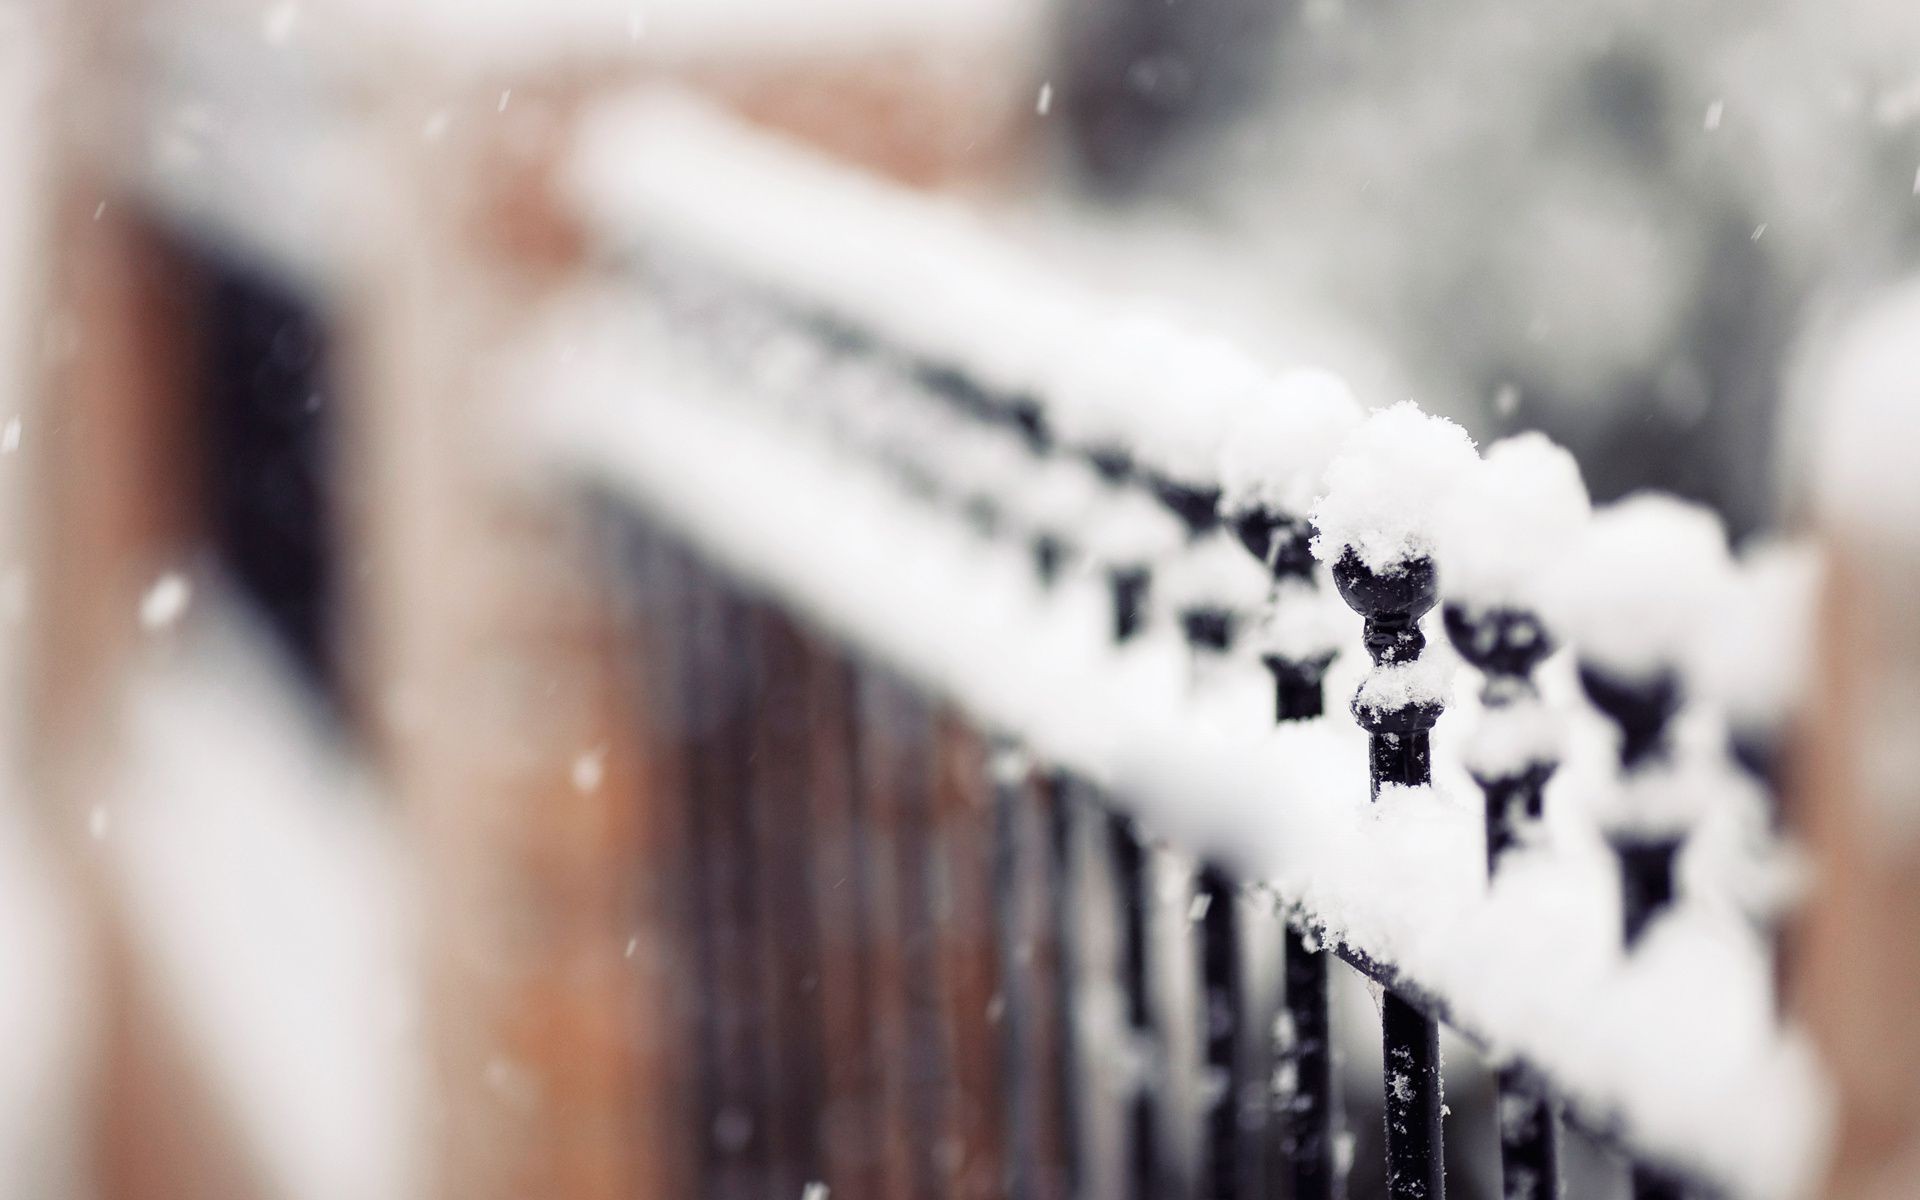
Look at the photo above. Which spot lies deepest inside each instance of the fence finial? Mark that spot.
(1500, 534)
(1375, 531)
(1271, 467)
(1634, 597)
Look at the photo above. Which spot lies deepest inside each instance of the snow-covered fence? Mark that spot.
(1116, 546)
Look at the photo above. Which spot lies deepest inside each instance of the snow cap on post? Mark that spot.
(1499, 532)
(1279, 443)
(1087, 404)
(1186, 399)
(1274, 461)
(1057, 496)
(1502, 530)
(1754, 659)
(1861, 419)
(1635, 593)
(1375, 532)
(1640, 585)
(1214, 589)
(1385, 487)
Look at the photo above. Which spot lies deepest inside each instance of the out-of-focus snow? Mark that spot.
(1509, 738)
(1862, 417)
(263, 891)
(1427, 680)
(1061, 493)
(1670, 799)
(526, 32)
(1641, 585)
(1130, 528)
(1280, 442)
(1304, 621)
(45, 1012)
(1754, 660)
(663, 167)
(165, 601)
(1181, 397)
(1501, 531)
(664, 172)
(45, 1018)
(24, 208)
(1215, 572)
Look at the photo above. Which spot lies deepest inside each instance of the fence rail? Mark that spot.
(852, 403)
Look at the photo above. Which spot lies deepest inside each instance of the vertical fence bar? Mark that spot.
(1057, 798)
(1647, 889)
(784, 846)
(1018, 993)
(1221, 1014)
(1129, 589)
(1400, 753)
(1044, 1069)
(734, 1125)
(664, 949)
(1217, 590)
(1508, 644)
(892, 773)
(852, 1118)
(1037, 1090)
(1412, 1069)
(971, 983)
(1302, 1124)
(1643, 710)
(1134, 888)
(1306, 1068)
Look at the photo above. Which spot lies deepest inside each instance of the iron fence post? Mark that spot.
(1507, 644)
(1400, 753)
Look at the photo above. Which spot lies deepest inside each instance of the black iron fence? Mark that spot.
(932, 950)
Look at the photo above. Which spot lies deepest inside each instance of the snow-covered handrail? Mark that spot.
(1055, 512)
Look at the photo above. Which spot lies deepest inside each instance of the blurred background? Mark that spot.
(331, 869)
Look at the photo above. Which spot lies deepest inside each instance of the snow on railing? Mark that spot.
(1097, 533)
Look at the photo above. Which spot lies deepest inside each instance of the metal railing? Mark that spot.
(954, 908)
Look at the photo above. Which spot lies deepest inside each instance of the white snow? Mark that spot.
(665, 168)
(1280, 442)
(165, 601)
(1501, 531)
(1130, 529)
(1102, 390)
(1060, 494)
(1215, 572)
(1859, 412)
(1304, 621)
(1668, 799)
(1183, 401)
(532, 34)
(1508, 738)
(1641, 585)
(588, 771)
(1386, 486)
(259, 878)
(1426, 680)
(1754, 658)
(992, 460)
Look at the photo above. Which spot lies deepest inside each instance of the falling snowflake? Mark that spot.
(165, 601)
